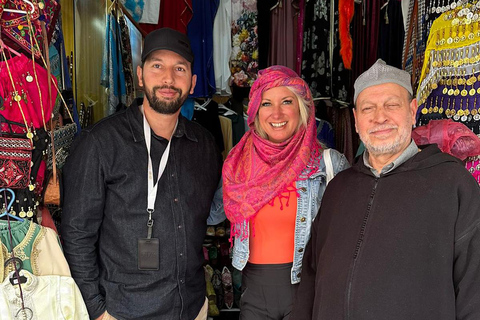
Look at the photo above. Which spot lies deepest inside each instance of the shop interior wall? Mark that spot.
(89, 31)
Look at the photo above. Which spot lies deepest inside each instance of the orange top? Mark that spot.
(272, 231)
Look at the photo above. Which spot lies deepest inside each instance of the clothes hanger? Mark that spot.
(4, 46)
(279, 3)
(203, 106)
(21, 11)
(7, 210)
(228, 110)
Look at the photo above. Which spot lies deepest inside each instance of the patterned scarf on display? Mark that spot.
(257, 170)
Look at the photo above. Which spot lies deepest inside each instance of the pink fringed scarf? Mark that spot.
(257, 170)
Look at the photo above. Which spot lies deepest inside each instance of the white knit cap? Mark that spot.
(381, 73)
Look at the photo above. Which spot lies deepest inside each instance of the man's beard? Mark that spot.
(165, 107)
(387, 148)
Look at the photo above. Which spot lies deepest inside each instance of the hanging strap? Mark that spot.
(153, 185)
(328, 164)
(411, 26)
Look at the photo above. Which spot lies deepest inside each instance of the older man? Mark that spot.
(398, 234)
(138, 190)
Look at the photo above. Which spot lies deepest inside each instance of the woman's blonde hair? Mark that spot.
(304, 113)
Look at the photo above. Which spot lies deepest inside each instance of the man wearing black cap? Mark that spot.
(138, 190)
(397, 236)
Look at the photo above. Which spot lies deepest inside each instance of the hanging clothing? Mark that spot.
(135, 8)
(300, 20)
(326, 134)
(244, 59)
(226, 125)
(113, 77)
(322, 66)
(127, 60)
(222, 47)
(283, 30)
(263, 31)
(208, 119)
(34, 102)
(45, 297)
(187, 108)
(238, 123)
(151, 12)
(200, 33)
(172, 14)
(390, 31)
(38, 247)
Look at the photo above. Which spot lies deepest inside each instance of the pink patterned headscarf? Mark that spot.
(257, 170)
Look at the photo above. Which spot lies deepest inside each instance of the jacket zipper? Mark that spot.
(359, 246)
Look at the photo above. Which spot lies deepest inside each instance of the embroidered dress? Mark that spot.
(322, 66)
(45, 297)
(244, 59)
(38, 248)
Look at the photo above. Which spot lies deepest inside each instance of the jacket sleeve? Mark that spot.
(304, 299)
(82, 216)
(339, 161)
(217, 211)
(466, 268)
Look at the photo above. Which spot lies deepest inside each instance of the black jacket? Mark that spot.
(403, 246)
(104, 214)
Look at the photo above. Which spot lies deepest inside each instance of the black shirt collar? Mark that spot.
(135, 119)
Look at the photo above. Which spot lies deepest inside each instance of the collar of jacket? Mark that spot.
(135, 119)
(429, 156)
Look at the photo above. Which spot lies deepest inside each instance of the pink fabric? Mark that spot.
(33, 99)
(301, 14)
(257, 170)
(451, 137)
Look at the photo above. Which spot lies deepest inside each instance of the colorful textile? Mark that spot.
(113, 77)
(34, 102)
(135, 8)
(244, 59)
(257, 170)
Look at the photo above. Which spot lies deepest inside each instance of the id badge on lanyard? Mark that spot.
(149, 248)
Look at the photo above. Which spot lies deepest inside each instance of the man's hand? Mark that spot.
(101, 317)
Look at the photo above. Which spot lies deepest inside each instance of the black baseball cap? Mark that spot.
(167, 39)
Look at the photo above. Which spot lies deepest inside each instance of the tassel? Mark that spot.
(346, 9)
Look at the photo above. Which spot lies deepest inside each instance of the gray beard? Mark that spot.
(164, 107)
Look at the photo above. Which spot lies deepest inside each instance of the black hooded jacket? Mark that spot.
(404, 246)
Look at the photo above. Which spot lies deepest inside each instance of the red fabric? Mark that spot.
(174, 14)
(346, 44)
(257, 170)
(47, 220)
(300, 21)
(451, 137)
(33, 100)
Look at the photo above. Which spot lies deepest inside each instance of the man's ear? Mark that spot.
(355, 116)
(413, 109)
(194, 83)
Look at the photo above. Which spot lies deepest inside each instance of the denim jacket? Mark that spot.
(311, 192)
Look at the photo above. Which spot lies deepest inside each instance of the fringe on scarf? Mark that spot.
(241, 229)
